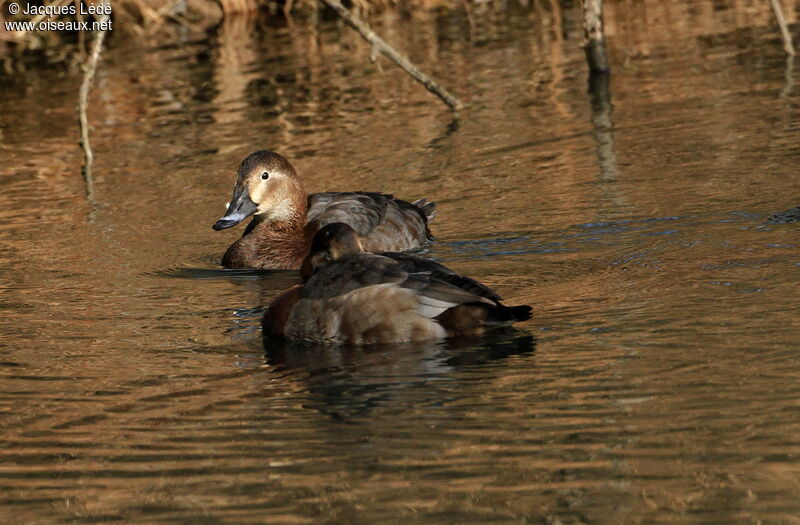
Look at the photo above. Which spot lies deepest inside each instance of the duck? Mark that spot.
(353, 297)
(285, 219)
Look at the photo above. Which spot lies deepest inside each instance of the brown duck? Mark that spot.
(285, 219)
(353, 297)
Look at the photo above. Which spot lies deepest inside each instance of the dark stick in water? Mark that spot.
(595, 36)
(83, 103)
(378, 43)
(785, 35)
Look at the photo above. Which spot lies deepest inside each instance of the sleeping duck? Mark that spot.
(285, 219)
(353, 297)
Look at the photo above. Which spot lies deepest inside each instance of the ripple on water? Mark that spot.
(661, 386)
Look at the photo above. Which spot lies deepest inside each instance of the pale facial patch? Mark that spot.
(273, 197)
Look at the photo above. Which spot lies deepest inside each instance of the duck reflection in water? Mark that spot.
(440, 355)
(349, 382)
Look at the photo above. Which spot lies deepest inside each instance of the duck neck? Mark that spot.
(279, 237)
(278, 245)
(290, 224)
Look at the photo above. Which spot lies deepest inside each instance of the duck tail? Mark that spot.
(508, 314)
(428, 208)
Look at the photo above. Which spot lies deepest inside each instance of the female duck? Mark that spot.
(354, 297)
(285, 218)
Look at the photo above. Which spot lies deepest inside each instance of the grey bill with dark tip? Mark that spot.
(240, 208)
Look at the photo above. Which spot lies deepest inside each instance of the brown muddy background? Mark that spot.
(662, 384)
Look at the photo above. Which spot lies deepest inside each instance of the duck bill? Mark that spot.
(240, 208)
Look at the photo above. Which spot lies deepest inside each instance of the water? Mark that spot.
(657, 381)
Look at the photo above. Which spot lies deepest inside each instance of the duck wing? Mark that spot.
(351, 273)
(382, 221)
(414, 264)
(360, 210)
(460, 304)
(362, 270)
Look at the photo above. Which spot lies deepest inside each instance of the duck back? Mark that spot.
(365, 298)
(383, 222)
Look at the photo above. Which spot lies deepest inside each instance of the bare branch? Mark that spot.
(785, 35)
(378, 43)
(83, 104)
(595, 36)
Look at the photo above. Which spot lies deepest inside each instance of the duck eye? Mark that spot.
(264, 175)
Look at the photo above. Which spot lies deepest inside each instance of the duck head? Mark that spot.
(330, 243)
(266, 187)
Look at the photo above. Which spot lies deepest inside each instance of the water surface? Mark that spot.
(657, 381)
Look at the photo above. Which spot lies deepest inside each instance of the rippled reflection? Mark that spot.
(655, 383)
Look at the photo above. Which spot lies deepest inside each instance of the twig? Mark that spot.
(600, 92)
(595, 36)
(378, 43)
(785, 35)
(786, 92)
(465, 4)
(83, 104)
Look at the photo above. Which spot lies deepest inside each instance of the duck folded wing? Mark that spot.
(383, 222)
(436, 296)
(351, 273)
(416, 264)
(362, 211)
